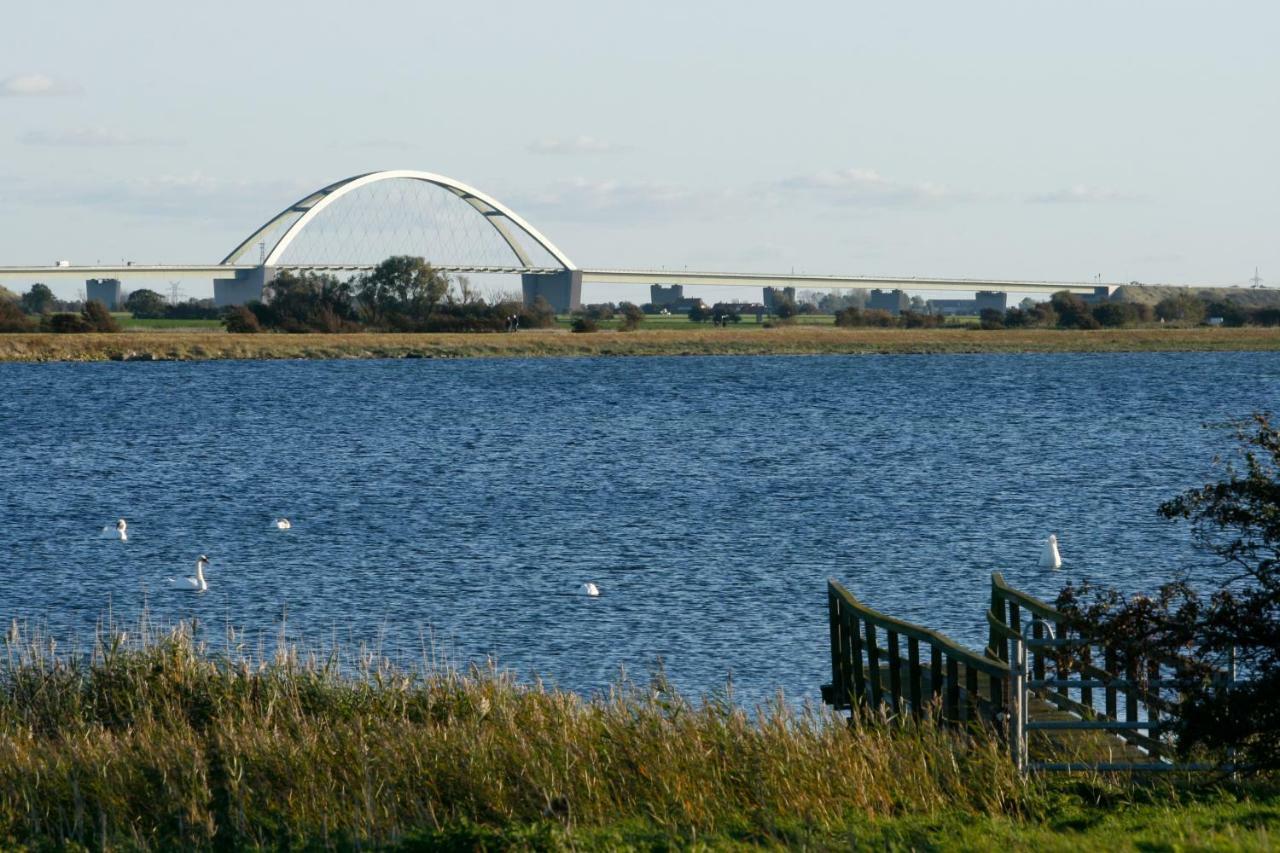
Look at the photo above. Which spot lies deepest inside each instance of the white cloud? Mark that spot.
(866, 188)
(578, 145)
(89, 137)
(612, 200)
(35, 85)
(1080, 194)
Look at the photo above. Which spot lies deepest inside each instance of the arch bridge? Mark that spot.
(353, 224)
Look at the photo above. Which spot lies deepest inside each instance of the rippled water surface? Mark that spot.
(709, 498)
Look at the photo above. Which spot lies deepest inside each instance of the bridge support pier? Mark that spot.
(563, 290)
(246, 287)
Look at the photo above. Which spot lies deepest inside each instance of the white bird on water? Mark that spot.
(1049, 557)
(589, 589)
(192, 584)
(119, 531)
(283, 524)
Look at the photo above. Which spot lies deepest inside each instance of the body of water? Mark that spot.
(709, 498)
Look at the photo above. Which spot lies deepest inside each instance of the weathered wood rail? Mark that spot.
(869, 669)
(1086, 705)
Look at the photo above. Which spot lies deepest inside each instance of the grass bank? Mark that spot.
(164, 746)
(194, 345)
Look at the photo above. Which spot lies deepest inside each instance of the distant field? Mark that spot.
(693, 339)
(127, 321)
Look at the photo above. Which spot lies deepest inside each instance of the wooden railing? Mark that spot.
(1135, 699)
(869, 670)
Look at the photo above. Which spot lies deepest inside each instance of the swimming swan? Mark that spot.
(195, 584)
(1049, 557)
(283, 524)
(119, 531)
(589, 589)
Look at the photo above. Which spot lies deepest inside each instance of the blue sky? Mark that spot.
(1030, 139)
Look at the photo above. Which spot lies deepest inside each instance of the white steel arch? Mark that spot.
(490, 208)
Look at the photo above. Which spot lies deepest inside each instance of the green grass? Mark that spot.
(128, 321)
(161, 744)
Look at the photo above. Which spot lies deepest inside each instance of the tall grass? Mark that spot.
(199, 344)
(159, 744)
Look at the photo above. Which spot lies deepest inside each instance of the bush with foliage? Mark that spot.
(13, 318)
(1182, 308)
(240, 320)
(64, 323)
(145, 304)
(98, 318)
(1236, 519)
(991, 318)
(631, 316)
(583, 323)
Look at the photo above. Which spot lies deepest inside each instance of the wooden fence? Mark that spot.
(878, 661)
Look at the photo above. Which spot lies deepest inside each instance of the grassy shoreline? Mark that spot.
(202, 345)
(165, 746)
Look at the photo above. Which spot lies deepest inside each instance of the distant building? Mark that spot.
(771, 293)
(665, 297)
(893, 301)
(105, 290)
(996, 300)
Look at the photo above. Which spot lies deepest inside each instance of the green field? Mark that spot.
(128, 321)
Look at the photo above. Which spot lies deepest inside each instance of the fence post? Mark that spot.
(1018, 703)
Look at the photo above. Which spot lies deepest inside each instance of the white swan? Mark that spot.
(589, 589)
(1049, 557)
(120, 530)
(283, 524)
(193, 584)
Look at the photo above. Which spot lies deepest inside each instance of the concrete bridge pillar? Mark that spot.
(563, 290)
(246, 287)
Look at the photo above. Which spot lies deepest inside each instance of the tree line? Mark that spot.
(401, 294)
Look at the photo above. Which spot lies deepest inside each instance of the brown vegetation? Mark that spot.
(741, 340)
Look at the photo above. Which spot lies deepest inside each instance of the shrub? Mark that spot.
(631, 315)
(146, 303)
(850, 317)
(241, 321)
(98, 318)
(539, 315)
(990, 318)
(1114, 314)
(64, 323)
(13, 318)
(582, 323)
(1183, 308)
(1237, 520)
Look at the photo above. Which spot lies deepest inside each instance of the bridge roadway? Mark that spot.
(592, 276)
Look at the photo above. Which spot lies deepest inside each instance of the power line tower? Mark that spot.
(175, 292)
(1256, 281)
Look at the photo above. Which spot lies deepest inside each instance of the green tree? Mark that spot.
(1237, 520)
(38, 300)
(402, 291)
(991, 318)
(306, 302)
(631, 315)
(784, 307)
(146, 303)
(1072, 311)
(12, 317)
(1183, 307)
(98, 318)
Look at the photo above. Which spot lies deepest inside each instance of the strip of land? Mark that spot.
(198, 345)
